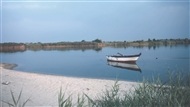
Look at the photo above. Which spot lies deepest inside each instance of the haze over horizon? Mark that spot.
(55, 21)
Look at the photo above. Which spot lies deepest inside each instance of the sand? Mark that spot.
(42, 90)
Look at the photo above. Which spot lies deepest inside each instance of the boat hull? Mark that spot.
(131, 58)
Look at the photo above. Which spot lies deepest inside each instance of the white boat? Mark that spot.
(129, 66)
(123, 58)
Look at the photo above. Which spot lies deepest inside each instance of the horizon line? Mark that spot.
(93, 1)
(101, 40)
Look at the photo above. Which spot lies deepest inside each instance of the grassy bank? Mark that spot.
(94, 44)
(151, 93)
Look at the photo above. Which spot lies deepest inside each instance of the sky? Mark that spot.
(108, 20)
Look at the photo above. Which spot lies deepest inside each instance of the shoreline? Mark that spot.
(95, 44)
(43, 89)
(10, 66)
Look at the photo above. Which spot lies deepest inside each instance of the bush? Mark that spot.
(97, 40)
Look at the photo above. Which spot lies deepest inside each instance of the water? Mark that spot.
(93, 64)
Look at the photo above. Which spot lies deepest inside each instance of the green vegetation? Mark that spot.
(62, 101)
(12, 47)
(154, 93)
(158, 94)
(97, 40)
(97, 43)
(149, 94)
(67, 102)
(16, 103)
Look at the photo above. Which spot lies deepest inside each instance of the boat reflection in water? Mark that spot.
(125, 65)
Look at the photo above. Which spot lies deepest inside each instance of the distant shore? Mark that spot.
(8, 66)
(95, 44)
(43, 89)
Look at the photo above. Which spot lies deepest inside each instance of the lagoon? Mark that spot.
(90, 63)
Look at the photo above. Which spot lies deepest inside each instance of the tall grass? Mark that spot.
(155, 93)
(151, 93)
(16, 102)
(64, 101)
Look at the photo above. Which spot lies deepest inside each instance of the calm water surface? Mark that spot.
(93, 64)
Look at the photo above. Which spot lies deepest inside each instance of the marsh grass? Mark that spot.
(64, 101)
(175, 92)
(151, 93)
(110, 98)
(154, 93)
(16, 102)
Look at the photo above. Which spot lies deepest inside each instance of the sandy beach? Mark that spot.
(43, 89)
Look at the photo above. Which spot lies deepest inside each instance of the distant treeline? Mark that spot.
(149, 42)
(96, 44)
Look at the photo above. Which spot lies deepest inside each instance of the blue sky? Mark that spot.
(49, 21)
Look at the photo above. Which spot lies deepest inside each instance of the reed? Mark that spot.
(67, 101)
(151, 93)
(16, 102)
(158, 93)
(110, 98)
(62, 101)
(154, 93)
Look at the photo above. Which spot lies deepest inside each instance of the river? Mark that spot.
(157, 61)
